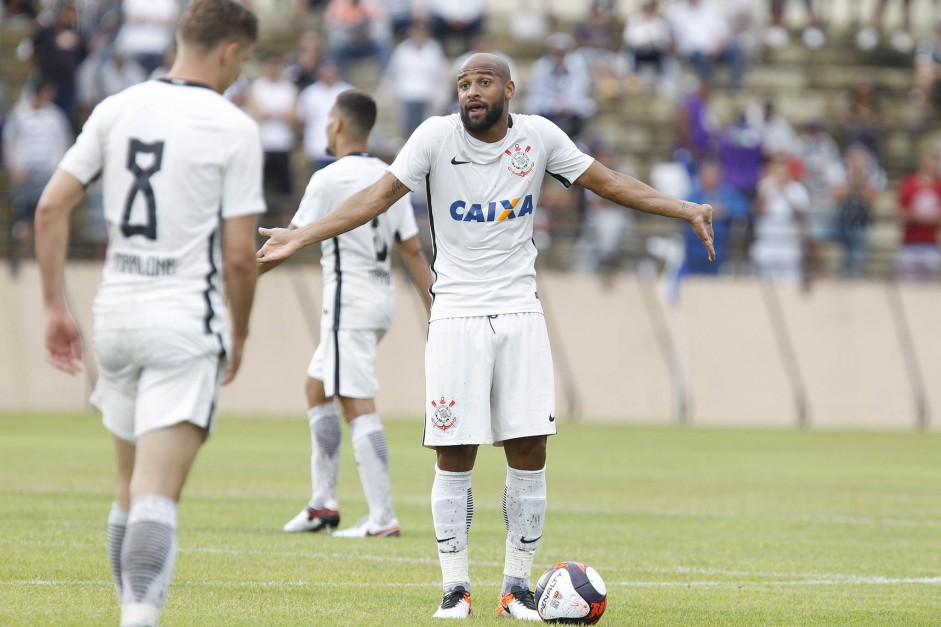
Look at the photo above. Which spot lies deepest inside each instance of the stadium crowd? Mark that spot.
(789, 192)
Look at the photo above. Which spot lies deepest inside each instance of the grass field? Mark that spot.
(687, 527)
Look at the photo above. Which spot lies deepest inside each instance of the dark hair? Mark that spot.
(358, 109)
(208, 23)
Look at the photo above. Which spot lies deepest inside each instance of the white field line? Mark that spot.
(484, 505)
(840, 581)
(774, 578)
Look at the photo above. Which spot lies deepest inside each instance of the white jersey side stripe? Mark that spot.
(207, 294)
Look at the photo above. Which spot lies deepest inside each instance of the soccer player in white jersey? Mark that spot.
(357, 311)
(182, 170)
(488, 368)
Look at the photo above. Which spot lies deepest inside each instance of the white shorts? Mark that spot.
(488, 379)
(153, 378)
(345, 361)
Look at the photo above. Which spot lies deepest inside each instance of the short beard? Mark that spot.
(485, 123)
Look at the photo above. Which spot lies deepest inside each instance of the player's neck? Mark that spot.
(492, 135)
(349, 148)
(192, 71)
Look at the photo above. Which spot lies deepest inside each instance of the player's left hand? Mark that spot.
(280, 247)
(701, 221)
(63, 341)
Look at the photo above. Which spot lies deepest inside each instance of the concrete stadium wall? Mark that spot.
(621, 353)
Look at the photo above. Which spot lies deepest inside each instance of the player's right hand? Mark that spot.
(281, 245)
(63, 341)
(235, 359)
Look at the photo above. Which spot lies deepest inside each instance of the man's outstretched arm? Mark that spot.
(629, 192)
(355, 211)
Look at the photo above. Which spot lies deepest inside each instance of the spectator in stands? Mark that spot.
(822, 161)
(415, 74)
(928, 72)
(401, 15)
(596, 41)
(459, 20)
(777, 248)
(357, 29)
(862, 120)
(777, 135)
(117, 73)
(20, 9)
(272, 101)
(703, 36)
(147, 30)
(741, 155)
(560, 86)
(730, 211)
(900, 40)
(695, 127)
(58, 50)
(855, 190)
(919, 214)
(605, 226)
(648, 44)
(777, 35)
(36, 135)
(313, 108)
(302, 65)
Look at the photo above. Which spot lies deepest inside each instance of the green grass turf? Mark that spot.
(687, 527)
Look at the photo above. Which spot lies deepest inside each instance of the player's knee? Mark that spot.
(457, 458)
(526, 453)
(315, 392)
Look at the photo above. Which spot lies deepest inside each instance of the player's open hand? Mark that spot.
(701, 221)
(281, 245)
(63, 341)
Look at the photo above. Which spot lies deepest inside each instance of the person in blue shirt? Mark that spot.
(729, 206)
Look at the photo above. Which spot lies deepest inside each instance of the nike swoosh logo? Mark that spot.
(454, 161)
(525, 541)
(551, 418)
(451, 538)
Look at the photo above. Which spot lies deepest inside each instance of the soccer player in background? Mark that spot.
(488, 367)
(182, 173)
(357, 311)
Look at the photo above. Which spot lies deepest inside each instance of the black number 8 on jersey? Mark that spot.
(142, 185)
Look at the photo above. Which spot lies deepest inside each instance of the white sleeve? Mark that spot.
(242, 192)
(564, 161)
(407, 227)
(314, 205)
(414, 161)
(84, 159)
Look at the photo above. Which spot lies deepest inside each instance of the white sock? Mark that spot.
(452, 508)
(372, 460)
(147, 557)
(117, 525)
(524, 511)
(325, 438)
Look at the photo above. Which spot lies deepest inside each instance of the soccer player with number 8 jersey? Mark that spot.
(182, 169)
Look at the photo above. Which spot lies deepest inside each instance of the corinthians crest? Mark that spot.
(443, 418)
(521, 163)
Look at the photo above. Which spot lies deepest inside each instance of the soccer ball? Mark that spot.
(571, 593)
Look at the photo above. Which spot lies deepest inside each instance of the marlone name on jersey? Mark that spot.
(143, 266)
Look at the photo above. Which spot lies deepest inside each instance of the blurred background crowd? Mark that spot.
(815, 139)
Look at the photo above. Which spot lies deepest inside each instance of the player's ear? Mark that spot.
(509, 89)
(230, 52)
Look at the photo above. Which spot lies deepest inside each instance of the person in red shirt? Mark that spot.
(918, 258)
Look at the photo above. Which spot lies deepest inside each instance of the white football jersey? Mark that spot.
(481, 201)
(175, 158)
(357, 285)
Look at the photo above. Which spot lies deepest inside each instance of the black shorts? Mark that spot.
(278, 172)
